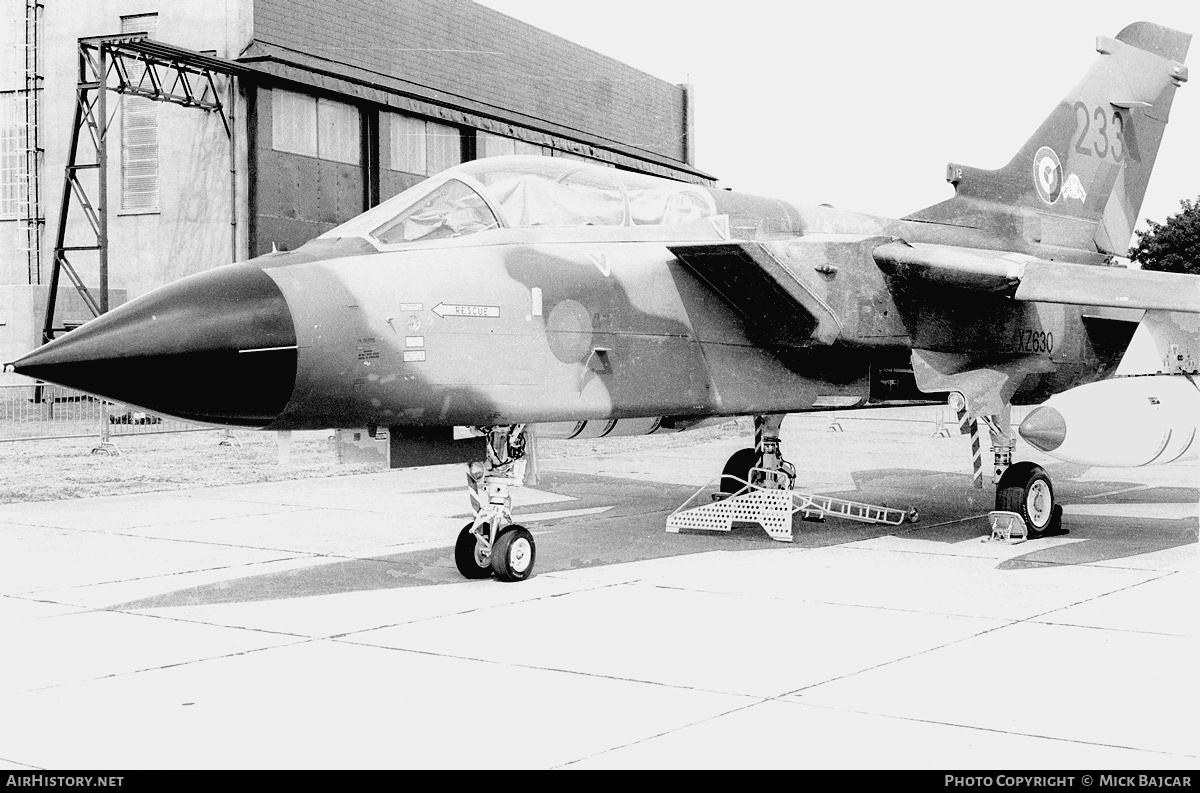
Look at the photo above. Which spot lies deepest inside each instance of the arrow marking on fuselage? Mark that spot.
(451, 310)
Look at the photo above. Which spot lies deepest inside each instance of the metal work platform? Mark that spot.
(772, 507)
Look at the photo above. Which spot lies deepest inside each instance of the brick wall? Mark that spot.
(466, 50)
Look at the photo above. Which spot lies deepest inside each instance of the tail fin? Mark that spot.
(1078, 183)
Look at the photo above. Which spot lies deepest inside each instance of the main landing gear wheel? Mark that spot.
(513, 554)
(738, 465)
(469, 554)
(1026, 490)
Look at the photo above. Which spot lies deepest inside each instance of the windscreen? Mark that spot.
(451, 210)
(527, 192)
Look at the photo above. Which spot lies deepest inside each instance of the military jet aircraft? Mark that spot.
(515, 293)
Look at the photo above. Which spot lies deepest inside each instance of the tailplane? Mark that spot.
(1078, 183)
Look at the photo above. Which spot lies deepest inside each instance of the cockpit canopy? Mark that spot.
(524, 192)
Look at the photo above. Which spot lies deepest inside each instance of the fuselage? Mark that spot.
(524, 290)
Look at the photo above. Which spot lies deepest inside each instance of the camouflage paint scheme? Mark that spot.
(755, 306)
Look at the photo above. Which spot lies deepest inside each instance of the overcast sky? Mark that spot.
(861, 105)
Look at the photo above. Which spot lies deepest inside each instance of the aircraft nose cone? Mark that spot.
(1044, 428)
(219, 346)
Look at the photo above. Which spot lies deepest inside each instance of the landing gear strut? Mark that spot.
(763, 466)
(492, 544)
(1022, 488)
(757, 486)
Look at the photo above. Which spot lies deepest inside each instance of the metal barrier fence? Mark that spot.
(45, 412)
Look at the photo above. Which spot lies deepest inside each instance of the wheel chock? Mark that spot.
(1007, 527)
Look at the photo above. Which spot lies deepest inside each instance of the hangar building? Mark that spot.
(324, 109)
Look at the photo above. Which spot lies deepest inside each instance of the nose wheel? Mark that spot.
(513, 554)
(472, 553)
(491, 544)
(510, 556)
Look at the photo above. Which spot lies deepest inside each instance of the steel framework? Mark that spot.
(131, 65)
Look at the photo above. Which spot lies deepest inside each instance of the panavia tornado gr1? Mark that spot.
(526, 295)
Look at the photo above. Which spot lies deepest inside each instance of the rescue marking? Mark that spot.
(452, 310)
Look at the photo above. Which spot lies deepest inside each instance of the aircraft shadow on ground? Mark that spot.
(951, 511)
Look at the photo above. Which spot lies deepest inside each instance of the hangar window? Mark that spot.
(422, 147)
(567, 155)
(139, 131)
(324, 128)
(490, 145)
(294, 123)
(339, 132)
(524, 147)
(445, 146)
(12, 157)
(406, 137)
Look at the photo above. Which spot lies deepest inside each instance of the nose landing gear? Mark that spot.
(492, 544)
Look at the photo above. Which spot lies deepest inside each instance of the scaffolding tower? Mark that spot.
(134, 65)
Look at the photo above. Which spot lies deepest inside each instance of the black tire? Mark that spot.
(466, 559)
(738, 465)
(513, 554)
(1026, 490)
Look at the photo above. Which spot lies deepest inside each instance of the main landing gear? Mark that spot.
(1023, 488)
(758, 486)
(492, 544)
